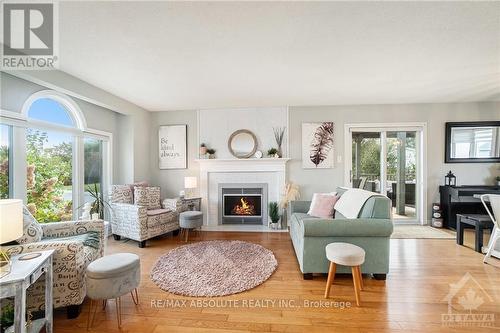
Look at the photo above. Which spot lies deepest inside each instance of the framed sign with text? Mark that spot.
(172, 146)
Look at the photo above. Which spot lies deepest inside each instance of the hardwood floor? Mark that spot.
(411, 300)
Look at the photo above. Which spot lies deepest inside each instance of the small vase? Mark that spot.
(203, 151)
(280, 152)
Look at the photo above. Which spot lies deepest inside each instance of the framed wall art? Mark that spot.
(172, 143)
(317, 145)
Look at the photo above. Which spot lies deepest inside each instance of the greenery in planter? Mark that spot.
(271, 152)
(203, 145)
(274, 212)
(99, 204)
(7, 316)
(211, 151)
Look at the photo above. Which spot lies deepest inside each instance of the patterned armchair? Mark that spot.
(137, 214)
(76, 244)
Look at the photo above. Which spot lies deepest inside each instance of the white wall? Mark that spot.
(217, 125)
(172, 181)
(435, 115)
(322, 180)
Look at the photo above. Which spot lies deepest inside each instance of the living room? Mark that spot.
(250, 166)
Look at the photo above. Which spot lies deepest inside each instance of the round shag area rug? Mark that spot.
(213, 268)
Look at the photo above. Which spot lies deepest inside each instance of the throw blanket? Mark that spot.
(351, 202)
(90, 239)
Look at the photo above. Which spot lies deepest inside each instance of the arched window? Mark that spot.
(53, 107)
(63, 161)
(49, 110)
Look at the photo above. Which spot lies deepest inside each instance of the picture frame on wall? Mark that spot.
(317, 145)
(172, 146)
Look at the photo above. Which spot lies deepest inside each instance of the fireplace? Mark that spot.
(243, 203)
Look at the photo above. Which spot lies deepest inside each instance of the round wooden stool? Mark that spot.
(345, 254)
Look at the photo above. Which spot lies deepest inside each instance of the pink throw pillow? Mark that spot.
(322, 205)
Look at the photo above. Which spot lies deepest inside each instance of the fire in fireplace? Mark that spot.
(243, 203)
(245, 208)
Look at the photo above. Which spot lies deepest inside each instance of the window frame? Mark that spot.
(21, 122)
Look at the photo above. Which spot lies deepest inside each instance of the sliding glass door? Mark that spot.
(388, 160)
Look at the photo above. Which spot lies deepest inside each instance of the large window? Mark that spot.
(65, 165)
(93, 171)
(49, 157)
(5, 160)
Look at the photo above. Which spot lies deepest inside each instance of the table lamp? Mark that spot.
(190, 183)
(11, 228)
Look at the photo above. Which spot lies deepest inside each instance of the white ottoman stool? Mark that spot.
(345, 254)
(112, 277)
(190, 219)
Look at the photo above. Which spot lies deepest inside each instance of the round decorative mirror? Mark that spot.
(242, 144)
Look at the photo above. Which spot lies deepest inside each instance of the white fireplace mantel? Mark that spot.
(271, 171)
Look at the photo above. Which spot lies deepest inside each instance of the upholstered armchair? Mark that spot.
(76, 244)
(137, 213)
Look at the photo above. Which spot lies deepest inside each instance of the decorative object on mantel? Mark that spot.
(258, 154)
(242, 143)
(279, 134)
(273, 152)
(201, 269)
(190, 183)
(291, 192)
(450, 179)
(203, 150)
(274, 215)
(172, 147)
(317, 145)
(211, 153)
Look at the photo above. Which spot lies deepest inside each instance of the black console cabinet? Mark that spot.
(460, 200)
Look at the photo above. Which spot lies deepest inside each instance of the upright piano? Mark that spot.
(460, 200)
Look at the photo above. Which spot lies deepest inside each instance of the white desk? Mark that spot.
(22, 275)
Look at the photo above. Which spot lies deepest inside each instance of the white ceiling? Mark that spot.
(187, 55)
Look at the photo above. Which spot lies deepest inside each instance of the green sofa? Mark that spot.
(371, 231)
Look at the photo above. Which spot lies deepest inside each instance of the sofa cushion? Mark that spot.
(32, 231)
(137, 184)
(153, 212)
(322, 205)
(148, 196)
(121, 194)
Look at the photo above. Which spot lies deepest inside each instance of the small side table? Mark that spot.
(192, 203)
(479, 222)
(23, 274)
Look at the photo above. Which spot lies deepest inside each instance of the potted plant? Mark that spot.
(7, 316)
(498, 180)
(203, 150)
(98, 205)
(273, 152)
(274, 214)
(211, 153)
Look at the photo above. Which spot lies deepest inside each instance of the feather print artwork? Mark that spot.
(322, 143)
(317, 145)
